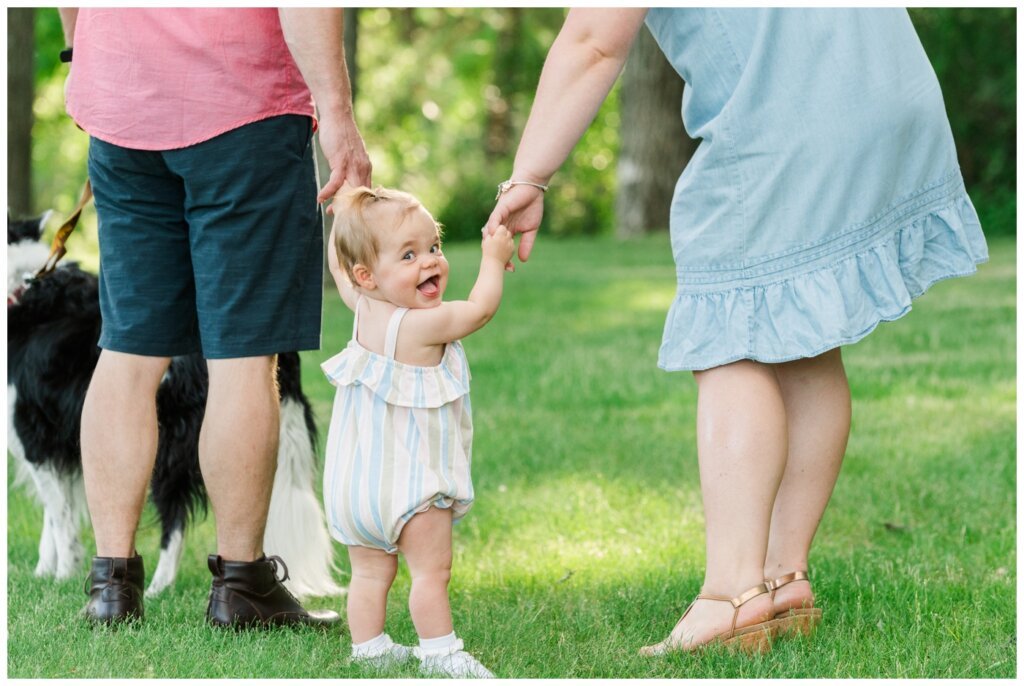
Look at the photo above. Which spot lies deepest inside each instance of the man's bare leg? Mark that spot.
(238, 451)
(119, 440)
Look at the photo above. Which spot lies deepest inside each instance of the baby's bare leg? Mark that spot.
(372, 573)
(426, 543)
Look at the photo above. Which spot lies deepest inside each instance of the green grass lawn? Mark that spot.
(586, 539)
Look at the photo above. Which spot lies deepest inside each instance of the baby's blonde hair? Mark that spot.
(358, 222)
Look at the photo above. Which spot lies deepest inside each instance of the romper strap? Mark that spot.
(355, 322)
(391, 339)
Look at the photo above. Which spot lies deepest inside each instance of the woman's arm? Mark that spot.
(581, 67)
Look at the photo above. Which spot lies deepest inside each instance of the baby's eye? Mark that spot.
(409, 255)
(435, 249)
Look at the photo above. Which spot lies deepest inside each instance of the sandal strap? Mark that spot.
(775, 584)
(736, 601)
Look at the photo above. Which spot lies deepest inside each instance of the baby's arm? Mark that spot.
(345, 289)
(451, 321)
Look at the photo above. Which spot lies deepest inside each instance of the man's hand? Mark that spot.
(346, 156)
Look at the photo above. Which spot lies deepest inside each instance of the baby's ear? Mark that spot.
(364, 277)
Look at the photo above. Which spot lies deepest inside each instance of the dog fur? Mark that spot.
(53, 325)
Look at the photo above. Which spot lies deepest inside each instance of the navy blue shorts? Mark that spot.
(215, 248)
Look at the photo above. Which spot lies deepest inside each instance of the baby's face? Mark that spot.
(411, 271)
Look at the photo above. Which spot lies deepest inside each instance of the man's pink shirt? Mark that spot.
(160, 79)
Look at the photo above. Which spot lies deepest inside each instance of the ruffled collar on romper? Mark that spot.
(398, 383)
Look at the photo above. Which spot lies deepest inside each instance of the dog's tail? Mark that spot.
(296, 527)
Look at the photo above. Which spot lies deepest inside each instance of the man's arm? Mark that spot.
(68, 18)
(314, 38)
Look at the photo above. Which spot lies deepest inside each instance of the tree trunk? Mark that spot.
(349, 39)
(20, 94)
(653, 147)
(507, 81)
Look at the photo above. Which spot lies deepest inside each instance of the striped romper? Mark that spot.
(400, 440)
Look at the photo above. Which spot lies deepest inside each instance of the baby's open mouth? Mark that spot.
(431, 287)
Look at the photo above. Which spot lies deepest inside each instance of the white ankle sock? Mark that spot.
(439, 643)
(373, 644)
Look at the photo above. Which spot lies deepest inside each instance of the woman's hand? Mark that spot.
(520, 209)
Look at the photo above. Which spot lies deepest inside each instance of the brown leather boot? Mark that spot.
(114, 587)
(249, 594)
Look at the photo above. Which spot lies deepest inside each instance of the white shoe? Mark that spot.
(452, 662)
(388, 654)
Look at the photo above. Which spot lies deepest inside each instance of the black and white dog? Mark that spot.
(53, 325)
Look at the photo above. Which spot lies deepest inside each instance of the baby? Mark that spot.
(399, 446)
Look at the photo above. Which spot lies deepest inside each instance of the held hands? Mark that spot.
(520, 209)
(498, 245)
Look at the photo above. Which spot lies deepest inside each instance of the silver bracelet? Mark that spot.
(506, 186)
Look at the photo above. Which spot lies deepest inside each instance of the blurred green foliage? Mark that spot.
(444, 94)
(59, 148)
(974, 53)
(443, 98)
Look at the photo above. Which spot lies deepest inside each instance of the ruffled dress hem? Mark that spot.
(827, 307)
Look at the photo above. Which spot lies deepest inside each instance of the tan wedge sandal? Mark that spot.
(796, 620)
(756, 638)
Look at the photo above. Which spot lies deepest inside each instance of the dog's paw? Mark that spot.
(44, 570)
(157, 587)
(69, 562)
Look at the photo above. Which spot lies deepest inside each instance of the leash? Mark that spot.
(57, 249)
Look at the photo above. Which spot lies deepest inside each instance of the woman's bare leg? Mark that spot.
(741, 448)
(817, 400)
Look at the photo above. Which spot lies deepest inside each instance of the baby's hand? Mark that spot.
(499, 245)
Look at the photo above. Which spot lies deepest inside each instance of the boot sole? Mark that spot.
(259, 625)
(112, 622)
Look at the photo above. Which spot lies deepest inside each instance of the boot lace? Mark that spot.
(276, 560)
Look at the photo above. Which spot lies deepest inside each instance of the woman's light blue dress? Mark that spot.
(825, 193)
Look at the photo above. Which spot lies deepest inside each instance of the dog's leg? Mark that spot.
(25, 472)
(170, 557)
(63, 497)
(47, 565)
(296, 527)
(67, 532)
